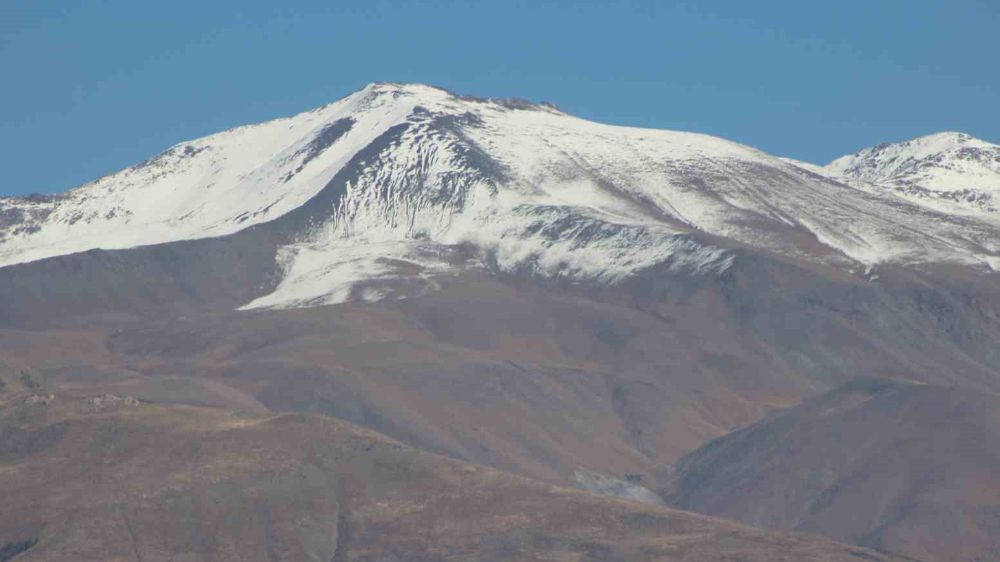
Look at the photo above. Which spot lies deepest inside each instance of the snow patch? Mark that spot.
(617, 487)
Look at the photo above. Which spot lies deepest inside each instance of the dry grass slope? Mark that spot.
(109, 479)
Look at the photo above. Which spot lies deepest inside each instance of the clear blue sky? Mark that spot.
(90, 87)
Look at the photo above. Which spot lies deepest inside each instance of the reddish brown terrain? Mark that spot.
(601, 386)
(412, 325)
(898, 466)
(108, 478)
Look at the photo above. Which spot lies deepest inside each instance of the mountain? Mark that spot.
(382, 192)
(492, 281)
(888, 464)
(951, 172)
(149, 482)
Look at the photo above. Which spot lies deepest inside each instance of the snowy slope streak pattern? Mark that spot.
(384, 192)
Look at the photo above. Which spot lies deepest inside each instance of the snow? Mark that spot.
(212, 186)
(820, 170)
(609, 485)
(934, 161)
(949, 172)
(517, 188)
(329, 273)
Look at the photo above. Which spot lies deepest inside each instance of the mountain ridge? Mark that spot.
(577, 303)
(820, 467)
(949, 171)
(380, 193)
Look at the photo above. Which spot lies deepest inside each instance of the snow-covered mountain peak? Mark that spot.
(377, 93)
(434, 98)
(212, 186)
(396, 184)
(949, 171)
(942, 151)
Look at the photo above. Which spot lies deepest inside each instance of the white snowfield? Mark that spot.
(951, 172)
(453, 182)
(211, 186)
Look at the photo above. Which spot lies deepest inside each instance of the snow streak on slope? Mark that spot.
(699, 183)
(952, 172)
(532, 190)
(406, 183)
(434, 201)
(208, 187)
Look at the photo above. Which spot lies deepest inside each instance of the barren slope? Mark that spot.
(108, 479)
(904, 467)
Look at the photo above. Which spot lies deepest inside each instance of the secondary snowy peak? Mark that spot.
(926, 158)
(951, 171)
(381, 193)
